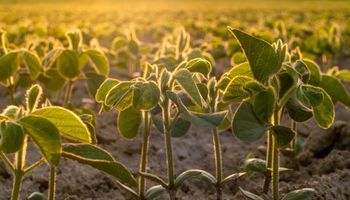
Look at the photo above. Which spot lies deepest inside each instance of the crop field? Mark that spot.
(179, 100)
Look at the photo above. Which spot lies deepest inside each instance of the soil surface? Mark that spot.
(323, 164)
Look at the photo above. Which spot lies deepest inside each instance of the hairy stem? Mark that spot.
(68, 95)
(11, 91)
(168, 146)
(294, 141)
(52, 186)
(218, 162)
(269, 155)
(144, 153)
(19, 172)
(275, 160)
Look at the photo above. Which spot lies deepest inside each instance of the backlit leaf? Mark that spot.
(129, 122)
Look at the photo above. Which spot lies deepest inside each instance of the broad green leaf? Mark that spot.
(99, 60)
(335, 89)
(343, 75)
(154, 192)
(315, 73)
(45, 135)
(184, 78)
(99, 159)
(303, 71)
(120, 96)
(75, 39)
(180, 128)
(146, 95)
(51, 57)
(253, 87)
(68, 64)
(261, 56)
(250, 195)
(234, 91)
(32, 62)
(55, 80)
(67, 123)
(302, 194)
(246, 125)
(206, 120)
(310, 95)
(129, 122)
(104, 88)
(324, 113)
(190, 174)
(240, 70)
(11, 137)
(12, 112)
(199, 65)
(33, 96)
(283, 135)
(297, 111)
(264, 104)
(255, 165)
(9, 64)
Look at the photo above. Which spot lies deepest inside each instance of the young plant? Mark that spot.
(267, 86)
(44, 127)
(66, 65)
(18, 68)
(134, 100)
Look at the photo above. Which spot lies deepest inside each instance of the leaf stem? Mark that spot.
(33, 166)
(68, 95)
(52, 186)
(294, 141)
(11, 91)
(7, 161)
(144, 153)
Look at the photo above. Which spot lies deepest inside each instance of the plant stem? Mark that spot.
(18, 173)
(218, 162)
(52, 186)
(275, 160)
(294, 141)
(68, 95)
(269, 155)
(11, 91)
(144, 153)
(168, 145)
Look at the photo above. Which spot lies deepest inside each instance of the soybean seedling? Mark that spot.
(267, 86)
(45, 126)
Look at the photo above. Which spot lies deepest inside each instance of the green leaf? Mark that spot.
(315, 73)
(284, 135)
(343, 75)
(297, 111)
(231, 178)
(9, 64)
(264, 104)
(246, 125)
(55, 80)
(242, 69)
(99, 60)
(190, 174)
(184, 78)
(324, 113)
(33, 96)
(129, 122)
(75, 39)
(303, 71)
(235, 91)
(93, 81)
(67, 123)
(45, 135)
(310, 95)
(250, 195)
(11, 137)
(32, 62)
(261, 56)
(302, 194)
(12, 112)
(180, 128)
(199, 65)
(68, 64)
(104, 88)
(154, 192)
(51, 57)
(120, 96)
(146, 95)
(335, 89)
(205, 120)
(100, 159)
(255, 165)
